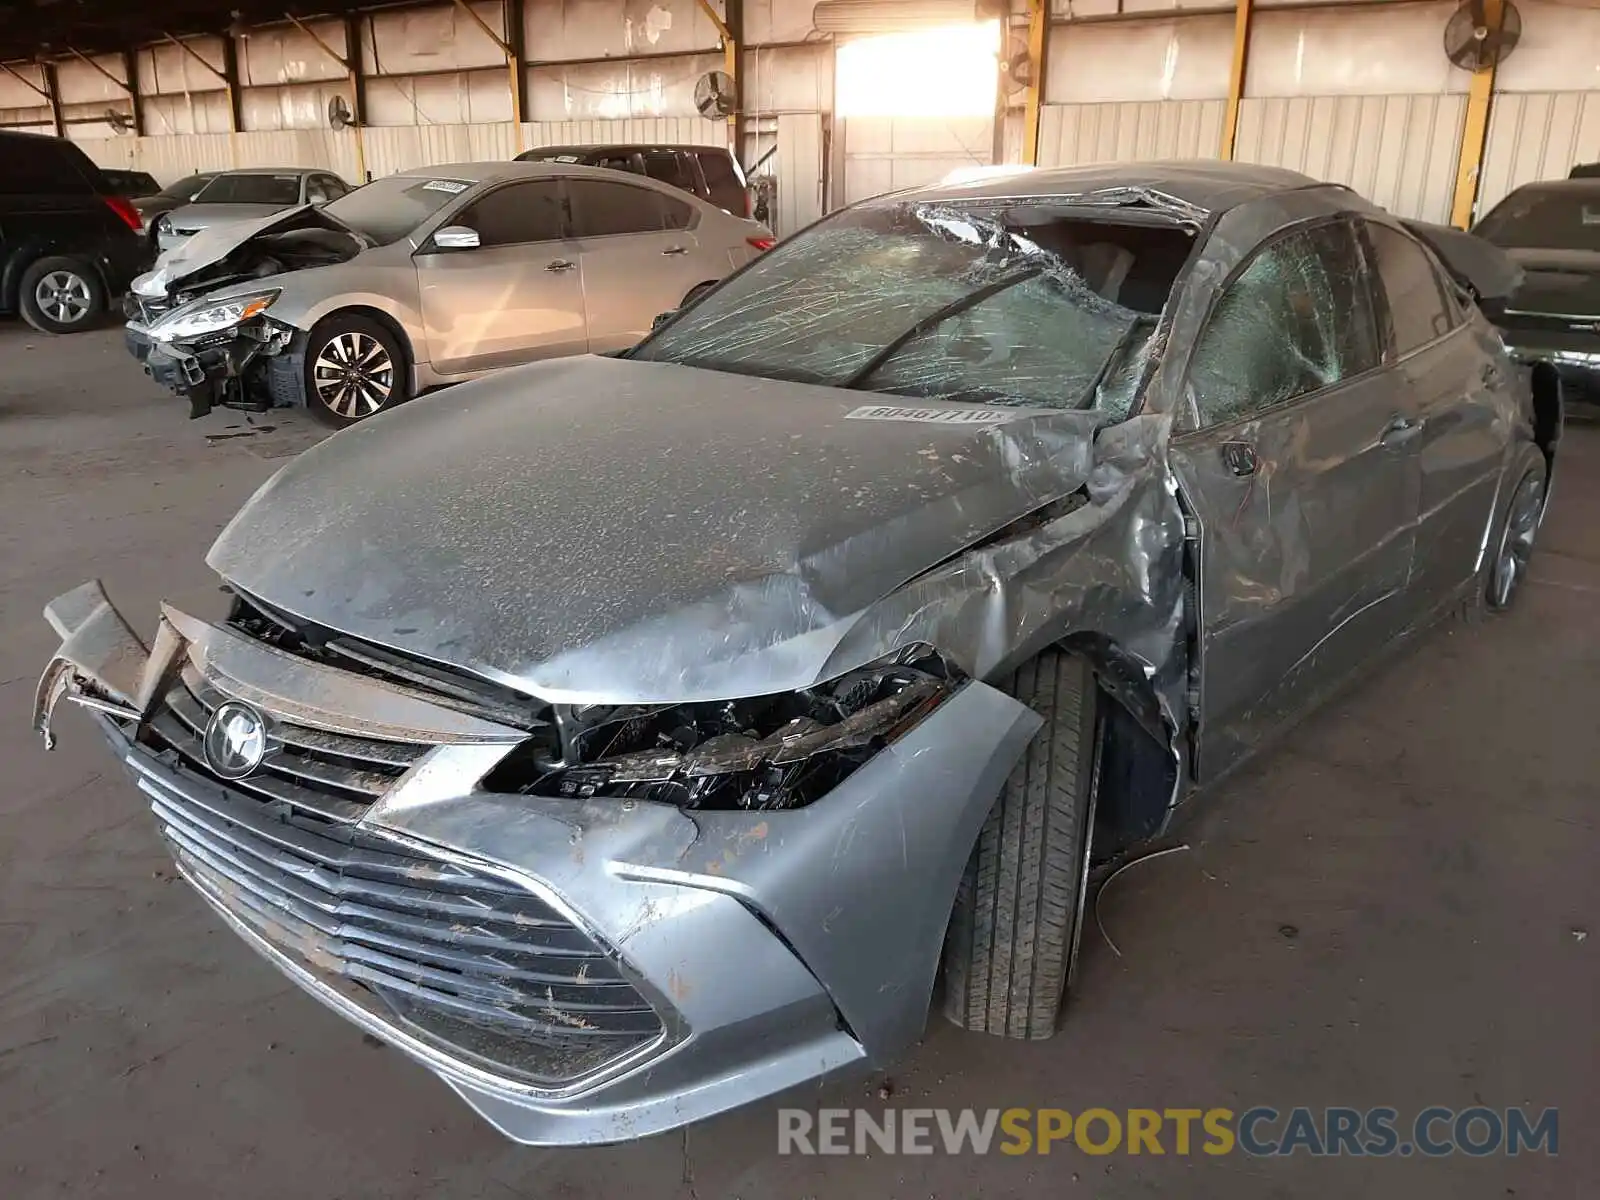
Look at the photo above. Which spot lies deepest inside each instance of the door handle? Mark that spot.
(676, 250)
(1239, 458)
(561, 264)
(1400, 431)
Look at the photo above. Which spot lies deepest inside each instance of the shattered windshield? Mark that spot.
(1545, 219)
(1007, 307)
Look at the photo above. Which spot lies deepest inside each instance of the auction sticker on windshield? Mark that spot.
(453, 186)
(935, 416)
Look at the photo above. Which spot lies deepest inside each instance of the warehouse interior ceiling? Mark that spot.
(947, 71)
(53, 28)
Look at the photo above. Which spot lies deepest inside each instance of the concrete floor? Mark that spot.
(1431, 838)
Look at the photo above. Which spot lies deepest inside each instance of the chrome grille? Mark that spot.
(334, 775)
(466, 961)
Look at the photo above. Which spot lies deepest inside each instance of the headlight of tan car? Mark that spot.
(201, 317)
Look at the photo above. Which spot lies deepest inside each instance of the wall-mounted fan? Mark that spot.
(339, 114)
(1017, 66)
(1471, 41)
(714, 95)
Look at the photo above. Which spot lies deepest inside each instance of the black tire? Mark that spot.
(62, 294)
(1513, 542)
(1014, 929)
(380, 378)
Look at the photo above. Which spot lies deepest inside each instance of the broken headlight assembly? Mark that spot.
(200, 318)
(765, 752)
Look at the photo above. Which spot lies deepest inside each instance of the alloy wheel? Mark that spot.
(353, 374)
(1516, 542)
(64, 297)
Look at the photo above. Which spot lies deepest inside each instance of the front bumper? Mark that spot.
(747, 952)
(212, 371)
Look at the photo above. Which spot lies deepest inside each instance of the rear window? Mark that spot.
(724, 183)
(43, 165)
(669, 167)
(1545, 219)
(251, 189)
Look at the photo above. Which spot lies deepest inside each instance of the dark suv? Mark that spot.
(710, 172)
(68, 242)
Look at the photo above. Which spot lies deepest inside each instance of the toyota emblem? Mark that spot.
(236, 740)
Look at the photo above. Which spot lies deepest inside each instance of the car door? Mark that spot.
(515, 297)
(1450, 371)
(1301, 483)
(640, 257)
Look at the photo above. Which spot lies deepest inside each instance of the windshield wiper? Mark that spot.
(958, 305)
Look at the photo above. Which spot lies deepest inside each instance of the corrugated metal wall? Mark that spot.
(1083, 133)
(1537, 135)
(1398, 151)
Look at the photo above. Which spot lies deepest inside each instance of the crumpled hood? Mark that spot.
(214, 243)
(600, 530)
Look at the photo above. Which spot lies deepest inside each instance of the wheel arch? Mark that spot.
(1139, 769)
(387, 320)
(1549, 411)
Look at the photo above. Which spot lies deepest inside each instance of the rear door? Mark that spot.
(517, 297)
(1304, 499)
(1450, 372)
(640, 257)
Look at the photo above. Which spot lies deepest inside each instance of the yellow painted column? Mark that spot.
(1243, 13)
(1038, 31)
(1475, 128)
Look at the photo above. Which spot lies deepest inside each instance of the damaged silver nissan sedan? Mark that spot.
(631, 738)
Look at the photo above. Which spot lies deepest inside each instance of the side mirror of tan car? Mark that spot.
(456, 237)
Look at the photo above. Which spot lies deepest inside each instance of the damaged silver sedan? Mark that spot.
(631, 738)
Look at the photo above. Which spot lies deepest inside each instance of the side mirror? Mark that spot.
(456, 237)
(662, 319)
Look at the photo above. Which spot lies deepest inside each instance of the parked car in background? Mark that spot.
(1552, 231)
(68, 243)
(631, 738)
(134, 185)
(174, 195)
(242, 195)
(425, 278)
(710, 172)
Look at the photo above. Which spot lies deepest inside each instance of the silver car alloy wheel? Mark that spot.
(353, 375)
(63, 296)
(1516, 543)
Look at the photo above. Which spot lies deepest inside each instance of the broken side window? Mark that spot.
(1046, 309)
(1297, 319)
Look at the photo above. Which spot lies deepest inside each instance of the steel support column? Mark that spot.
(1475, 128)
(1243, 14)
(1033, 98)
(52, 88)
(350, 62)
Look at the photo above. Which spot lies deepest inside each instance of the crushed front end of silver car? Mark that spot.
(201, 323)
(581, 961)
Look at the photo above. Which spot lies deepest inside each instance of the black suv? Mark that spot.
(710, 172)
(68, 241)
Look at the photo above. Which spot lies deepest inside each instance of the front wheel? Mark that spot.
(1018, 914)
(61, 294)
(354, 368)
